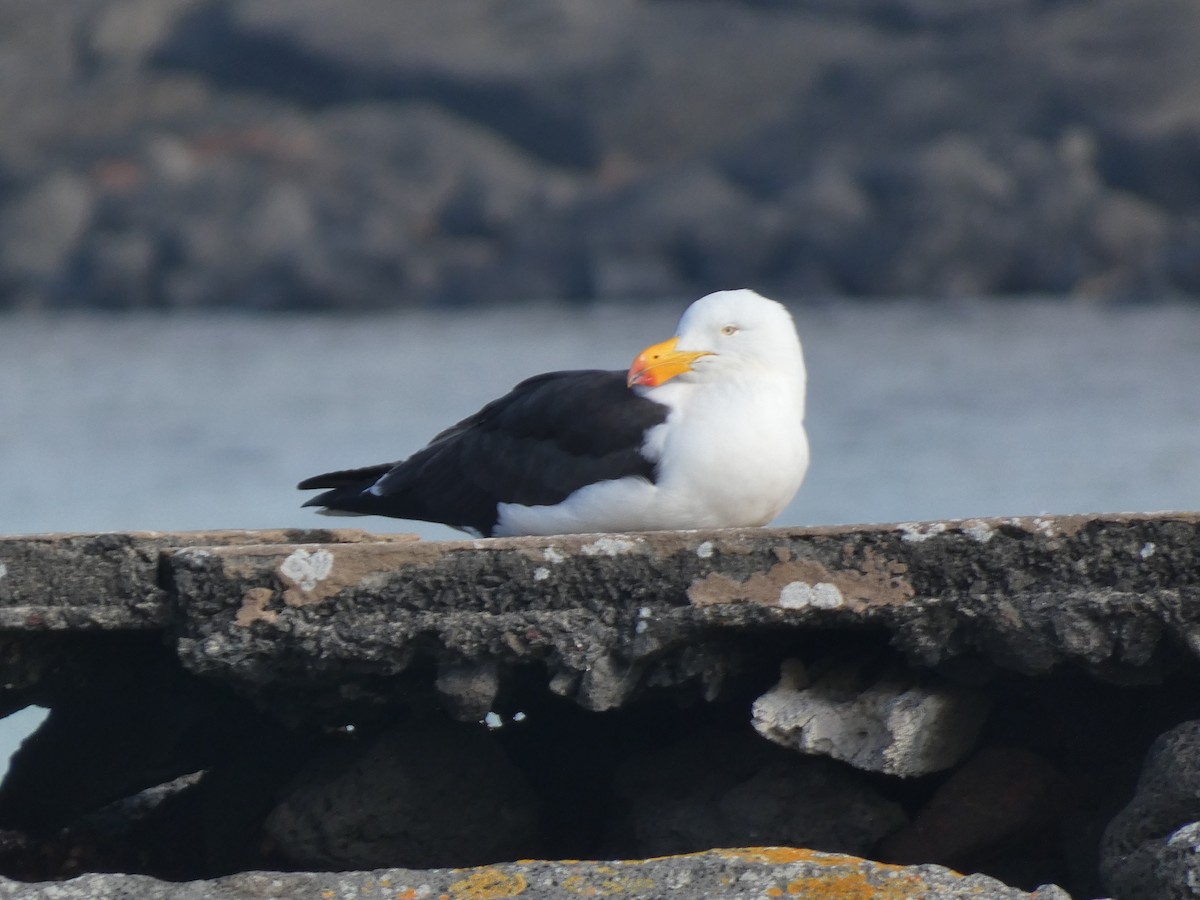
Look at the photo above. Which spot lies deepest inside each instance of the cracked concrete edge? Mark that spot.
(756, 872)
(111, 581)
(1027, 592)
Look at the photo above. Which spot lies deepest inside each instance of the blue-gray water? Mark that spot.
(917, 410)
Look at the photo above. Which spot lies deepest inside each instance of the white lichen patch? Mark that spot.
(608, 546)
(1146, 552)
(801, 594)
(705, 550)
(980, 531)
(306, 570)
(915, 532)
(1048, 527)
(541, 573)
(3, 570)
(553, 555)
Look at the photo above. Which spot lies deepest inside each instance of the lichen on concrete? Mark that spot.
(262, 663)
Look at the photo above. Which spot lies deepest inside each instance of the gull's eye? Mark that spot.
(729, 329)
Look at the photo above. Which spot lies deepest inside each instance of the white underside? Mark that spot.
(729, 455)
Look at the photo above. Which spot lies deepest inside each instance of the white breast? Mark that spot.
(731, 456)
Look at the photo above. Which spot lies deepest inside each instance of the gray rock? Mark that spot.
(1150, 847)
(421, 795)
(127, 32)
(715, 790)
(40, 229)
(719, 875)
(872, 147)
(468, 690)
(894, 724)
(1178, 864)
(1000, 798)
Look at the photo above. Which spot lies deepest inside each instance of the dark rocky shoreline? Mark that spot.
(244, 153)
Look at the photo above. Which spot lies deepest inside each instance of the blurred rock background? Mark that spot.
(370, 154)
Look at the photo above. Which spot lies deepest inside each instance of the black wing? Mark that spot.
(548, 437)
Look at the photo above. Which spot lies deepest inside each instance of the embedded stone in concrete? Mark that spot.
(896, 724)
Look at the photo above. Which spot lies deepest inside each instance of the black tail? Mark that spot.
(346, 478)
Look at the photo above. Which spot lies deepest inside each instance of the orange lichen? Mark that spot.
(590, 886)
(857, 886)
(488, 884)
(773, 855)
(844, 877)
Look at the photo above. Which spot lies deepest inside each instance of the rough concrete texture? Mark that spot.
(1151, 847)
(606, 614)
(720, 874)
(252, 673)
(111, 581)
(893, 724)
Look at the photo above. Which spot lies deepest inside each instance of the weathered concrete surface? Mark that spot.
(112, 581)
(604, 614)
(745, 873)
(256, 659)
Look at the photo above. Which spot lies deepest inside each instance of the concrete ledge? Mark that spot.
(111, 581)
(232, 701)
(1113, 593)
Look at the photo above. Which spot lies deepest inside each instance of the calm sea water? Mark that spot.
(917, 410)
